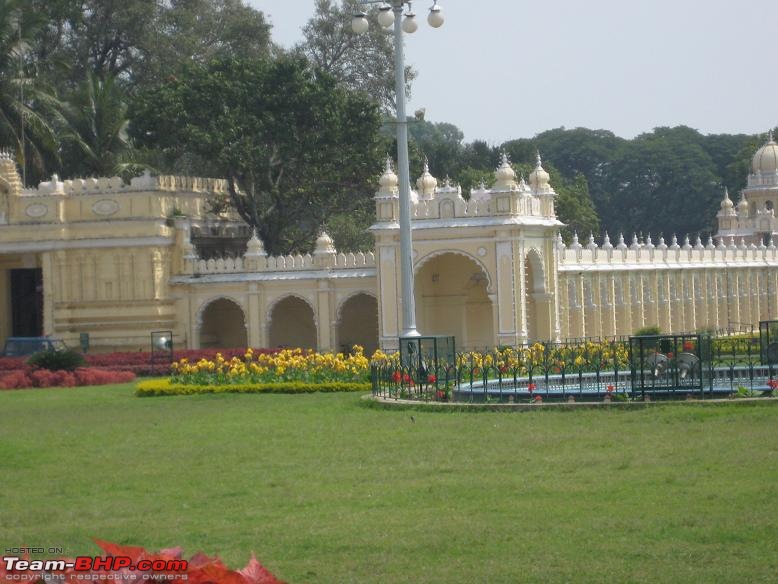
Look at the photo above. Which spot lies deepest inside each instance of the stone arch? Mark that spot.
(453, 298)
(357, 322)
(418, 264)
(535, 297)
(221, 323)
(292, 323)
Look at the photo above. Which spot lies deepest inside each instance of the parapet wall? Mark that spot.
(96, 199)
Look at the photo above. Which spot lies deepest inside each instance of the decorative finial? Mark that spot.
(538, 161)
(426, 164)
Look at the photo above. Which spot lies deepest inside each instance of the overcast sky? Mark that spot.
(505, 69)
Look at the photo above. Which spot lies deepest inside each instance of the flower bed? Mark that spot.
(287, 365)
(31, 377)
(158, 387)
(139, 362)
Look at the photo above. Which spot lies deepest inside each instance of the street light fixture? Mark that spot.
(392, 14)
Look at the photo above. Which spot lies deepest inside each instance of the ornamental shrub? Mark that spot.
(158, 387)
(57, 360)
(29, 377)
(648, 331)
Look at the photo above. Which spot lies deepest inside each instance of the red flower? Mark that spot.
(440, 394)
(773, 384)
(431, 379)
(610, 388)
(670, 355)
(396, 377)
(532, 387)
(688, 346)
(538, 398)
(407, 378)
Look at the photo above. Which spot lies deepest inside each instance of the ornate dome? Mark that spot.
(427, 183)
(324, 244)
(727, 203)
(538, 178)
(742, 206)
(254, 245)
(765, 160)
(389, 179)
(504, 173)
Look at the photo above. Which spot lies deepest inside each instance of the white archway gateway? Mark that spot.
(452, 298)
(222, 324)
(358, 322)
(292, 323)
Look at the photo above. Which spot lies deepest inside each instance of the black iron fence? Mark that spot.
(585, 369)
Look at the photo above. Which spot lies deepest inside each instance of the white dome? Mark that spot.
(765, 160)
(427, 183)
(505, 172)
(389, 179)
(324, 244)
(539, 178)
(727, 202)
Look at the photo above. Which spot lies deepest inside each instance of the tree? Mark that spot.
(141, 42)
(26, 108)
(575, 208)
(362, 62)
(663, 182)
(296, 147)
(200, 31)
(95, 137)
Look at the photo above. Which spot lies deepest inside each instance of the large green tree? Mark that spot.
(663, 182)
(362, 62)
(142, 41)
(296, 147)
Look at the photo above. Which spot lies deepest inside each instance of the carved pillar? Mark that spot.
(256, 329)
(504, 302)
(323, 317)
(388, 297)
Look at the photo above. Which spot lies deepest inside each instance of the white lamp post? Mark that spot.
(392, 14)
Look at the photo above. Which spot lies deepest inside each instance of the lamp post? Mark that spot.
(388, 15)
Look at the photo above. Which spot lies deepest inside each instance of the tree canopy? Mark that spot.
(295, 146)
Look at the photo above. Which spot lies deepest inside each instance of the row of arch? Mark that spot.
(291, 323)
(454, 296)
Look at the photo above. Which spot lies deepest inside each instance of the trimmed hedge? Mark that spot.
(156, 387)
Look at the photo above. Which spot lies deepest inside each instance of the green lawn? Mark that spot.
(324, 489)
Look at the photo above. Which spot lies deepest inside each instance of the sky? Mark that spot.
(505, 69)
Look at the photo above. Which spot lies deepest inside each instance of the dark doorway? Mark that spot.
(27, 303)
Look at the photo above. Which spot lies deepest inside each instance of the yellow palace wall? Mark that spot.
(117, 261)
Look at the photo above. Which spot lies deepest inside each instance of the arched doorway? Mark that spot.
(452, 299)
(292, 324)
(358, 323)
(223, 325)
(536, 301)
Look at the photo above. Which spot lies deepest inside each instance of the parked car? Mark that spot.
(21, 346)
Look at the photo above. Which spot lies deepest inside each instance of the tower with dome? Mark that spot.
(753, 218)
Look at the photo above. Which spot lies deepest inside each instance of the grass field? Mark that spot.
(324, 489)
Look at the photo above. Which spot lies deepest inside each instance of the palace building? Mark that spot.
(118, 261)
